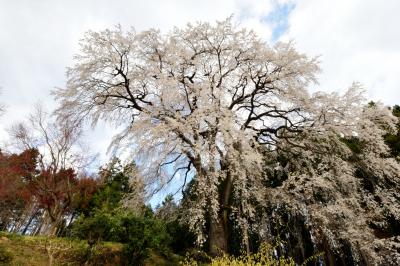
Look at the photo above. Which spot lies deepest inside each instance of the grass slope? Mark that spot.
(17, 250)
(39, 250)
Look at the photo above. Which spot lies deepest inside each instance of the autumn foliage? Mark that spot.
(34, 200)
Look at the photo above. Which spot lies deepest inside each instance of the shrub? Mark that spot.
(181, 237)
(100, 226)
(265, 256)
(141, 235)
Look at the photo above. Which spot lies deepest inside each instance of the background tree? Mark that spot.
(16, 201)
(182, 240)
(168, 210)
(116, 188)
(212, 102)
(59, 161)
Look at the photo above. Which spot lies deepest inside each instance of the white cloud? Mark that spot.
(357, 41)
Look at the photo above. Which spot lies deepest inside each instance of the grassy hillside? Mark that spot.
(42, 251)
(37, 251)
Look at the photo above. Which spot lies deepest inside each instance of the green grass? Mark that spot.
(39, 250)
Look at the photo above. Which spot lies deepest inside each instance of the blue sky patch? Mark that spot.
(278, 18)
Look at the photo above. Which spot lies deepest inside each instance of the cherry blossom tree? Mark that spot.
(212, 102)
(341, 189)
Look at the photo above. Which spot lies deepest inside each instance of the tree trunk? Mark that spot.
(28, 223)
(219, 228)
(218, 234)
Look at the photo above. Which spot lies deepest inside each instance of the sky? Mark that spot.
(355, 41)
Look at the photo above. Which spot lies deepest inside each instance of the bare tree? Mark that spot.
(60, 154)
(207, 101)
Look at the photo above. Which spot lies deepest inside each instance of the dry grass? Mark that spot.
(40, 251)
